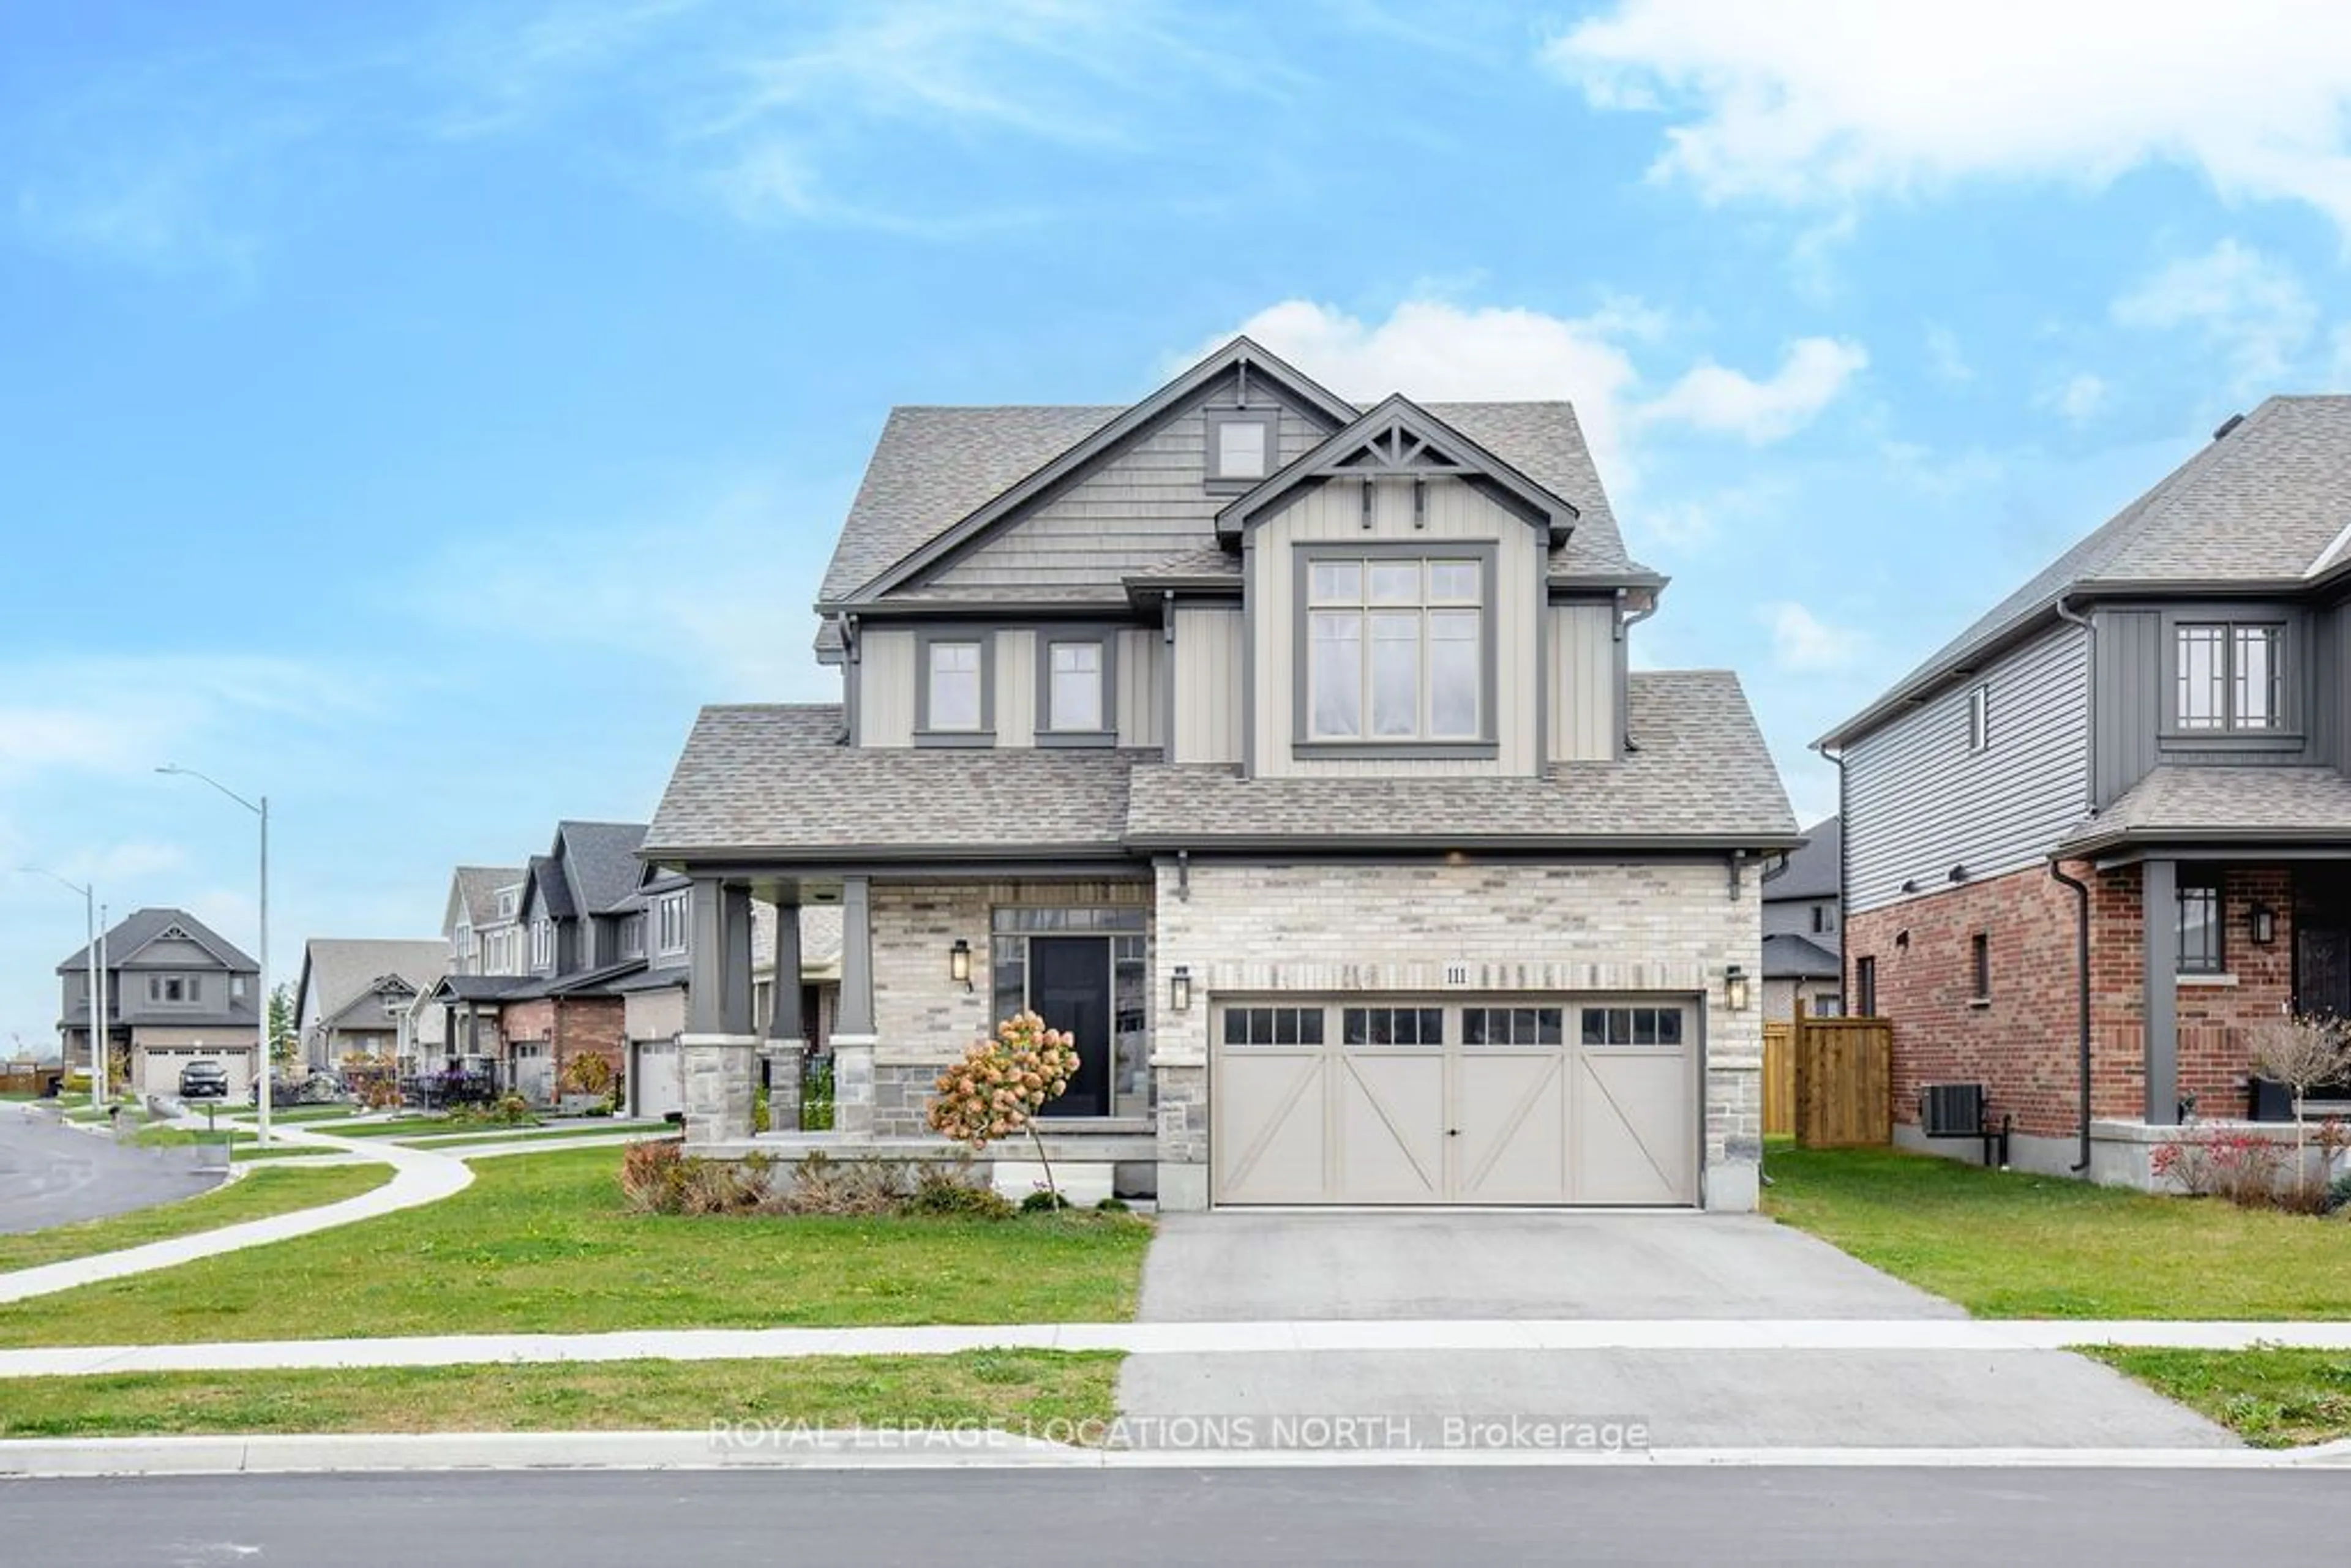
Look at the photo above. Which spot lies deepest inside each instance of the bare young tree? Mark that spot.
(2302, 1053)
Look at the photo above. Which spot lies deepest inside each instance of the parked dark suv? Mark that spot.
(204, 1081)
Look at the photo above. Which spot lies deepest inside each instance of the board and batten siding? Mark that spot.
(888, 672)
(1582, 719)
(2135, 669)
(1133, 509)
(2128, 653)
(885, 672)
(1140, 652)
(1918, 802)
(1016, 688)
(1333, 514)
(1206, 723)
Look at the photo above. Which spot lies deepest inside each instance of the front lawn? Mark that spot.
(1006, 1388)
(2273, 1399)
(545, 1245)
(2005, 1245)
(543, 1135)
(412, 1126)
(256, 1196)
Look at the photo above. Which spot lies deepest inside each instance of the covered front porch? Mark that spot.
(928, 963)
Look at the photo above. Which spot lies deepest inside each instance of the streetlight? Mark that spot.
(261, 986)
(89, 919)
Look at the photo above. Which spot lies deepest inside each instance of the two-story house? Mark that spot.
(358, 997)
(1284, 751)
(175, 992)
(2098, 839)
(1800, 927)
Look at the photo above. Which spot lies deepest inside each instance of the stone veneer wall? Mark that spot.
(922, 1019)
(2022, 1042)
(1668, 925)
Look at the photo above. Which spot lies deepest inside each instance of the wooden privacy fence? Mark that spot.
(1779, 1080)
(1840, 1077)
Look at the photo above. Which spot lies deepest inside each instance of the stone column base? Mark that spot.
(853, 1083)
(785, 1060)
(1734, 1186)
(1183, 1188)
(719, 1088)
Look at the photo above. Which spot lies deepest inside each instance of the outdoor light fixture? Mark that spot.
(959, 963)
(1959, 874)
(1179, 989)
(2265, 923)
(1734, 988)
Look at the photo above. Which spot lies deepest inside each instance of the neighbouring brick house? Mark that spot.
(1285, 752)
(2163, 716)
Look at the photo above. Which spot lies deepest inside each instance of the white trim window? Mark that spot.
(1395, 650)
(543, 942)
(954, 687)
(670, 923)
(1979, 719)
(633, 936)
(1074, 695)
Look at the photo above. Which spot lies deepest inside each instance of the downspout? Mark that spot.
(1626, 619)
(2082, 1002)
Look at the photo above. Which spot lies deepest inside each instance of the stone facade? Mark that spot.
(2023, 1041)
(1669, 926)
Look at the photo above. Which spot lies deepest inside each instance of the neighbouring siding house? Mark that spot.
(1284, 751)
(174, 992)
(1802, 925)
(2159, 715)
(359, 997)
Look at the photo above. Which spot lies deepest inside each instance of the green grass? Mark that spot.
(255, 1197)
(1003, 1388)
(2271, 1398)
(543, 1135)
(245, 1153)
(174, 1137)
(545, 1245)
(299, 1114)
(412, 1126)
(2012, 1246)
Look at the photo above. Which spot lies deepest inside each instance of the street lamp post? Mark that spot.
(89, 953)
(261, 986)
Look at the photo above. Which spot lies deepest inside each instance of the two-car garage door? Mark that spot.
(1551, 1099)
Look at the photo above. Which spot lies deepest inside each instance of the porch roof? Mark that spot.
(2192, 805)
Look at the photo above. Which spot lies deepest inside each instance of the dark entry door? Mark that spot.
(2322, 969)
(1068, 985)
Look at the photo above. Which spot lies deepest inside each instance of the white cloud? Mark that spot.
(1802, 643)
(1946, 359)
(2251, 310)
(125, 715)
(1828, 100)
(1709, 397)
(2077, 400)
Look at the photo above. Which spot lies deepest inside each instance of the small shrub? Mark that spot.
(589, 1074)
(2338, 1194)
(855, 1189)
(653, 1175)
(1044, 1201)
(2242, 1167)
(1002, 1083)
(944, 1194)
(1113, 1206)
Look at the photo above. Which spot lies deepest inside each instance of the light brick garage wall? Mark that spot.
(1668, 926)
(922, 1018)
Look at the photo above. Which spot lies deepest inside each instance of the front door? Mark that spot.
(1068, 985)
(2322, 970)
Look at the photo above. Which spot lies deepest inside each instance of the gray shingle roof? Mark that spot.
(603, 860)
(2267, 503)
(2227, 803)
(477, 889)
(776, 779)
(1702, 774)
(1788, 956)
(933, 466)
(342, 970)
(142, 926)
(1814, 871)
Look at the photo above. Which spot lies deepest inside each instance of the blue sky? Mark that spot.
(414, 411)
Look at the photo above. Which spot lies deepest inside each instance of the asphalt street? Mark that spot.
(1040, 1519)
(51, 1175)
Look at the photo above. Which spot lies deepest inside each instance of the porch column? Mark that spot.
(853, 1035)
(784, 1045)
(2159, 919)
(719, 1047)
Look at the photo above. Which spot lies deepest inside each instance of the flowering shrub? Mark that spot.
(1001, 1083)
(2238, 1165)
(589, 1073)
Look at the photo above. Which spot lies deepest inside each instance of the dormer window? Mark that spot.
(1240, 445)
(954, 706)
(1397, 650)
(1075, 679)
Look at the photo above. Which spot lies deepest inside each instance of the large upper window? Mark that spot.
(1396, 649)
(1073, 687)
(2229, 676)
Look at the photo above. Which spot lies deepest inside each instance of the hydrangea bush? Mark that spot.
(1001, 1083)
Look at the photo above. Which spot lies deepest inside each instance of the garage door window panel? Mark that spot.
(1633, 1026)
(1393, 1026)
(1271, 1026)
(1512, 1026)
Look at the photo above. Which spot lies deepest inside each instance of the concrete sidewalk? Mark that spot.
(1517, 1337)
(419, 1176)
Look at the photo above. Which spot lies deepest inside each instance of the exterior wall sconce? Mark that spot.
(1734, 988)
(1959, 874)
(2264, 923)
(1910, 884)
(1179, 989)
(959, 963)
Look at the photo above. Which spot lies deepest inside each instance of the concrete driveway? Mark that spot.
(1459, 1267)
(51, 1175)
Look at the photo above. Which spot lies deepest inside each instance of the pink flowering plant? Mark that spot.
(1001, 1083)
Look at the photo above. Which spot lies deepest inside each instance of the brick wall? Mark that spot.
(2022, 1044)
(571, 1027)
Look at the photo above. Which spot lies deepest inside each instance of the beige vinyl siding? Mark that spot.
(1583, 683)
(885, 689)
(1918, 802)
(1208, 697)
(1455, 511)
(1016, 688)
(1133, 509)
(1140, 652)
